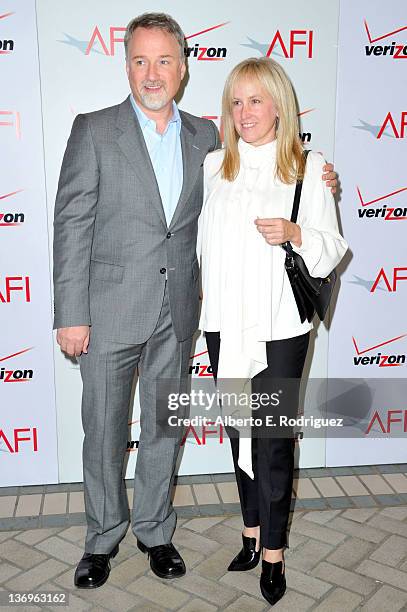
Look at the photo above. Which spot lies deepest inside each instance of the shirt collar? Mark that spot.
(253, 156)
(146, 121)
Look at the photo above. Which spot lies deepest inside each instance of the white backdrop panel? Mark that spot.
(369, 329)
(28, 442)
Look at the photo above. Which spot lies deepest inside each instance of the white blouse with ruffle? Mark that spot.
(247, 295)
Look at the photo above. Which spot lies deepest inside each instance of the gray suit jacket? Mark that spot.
(112, 247)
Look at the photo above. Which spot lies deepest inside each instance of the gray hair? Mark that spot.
(161, 21)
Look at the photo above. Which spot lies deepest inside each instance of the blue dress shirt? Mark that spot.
(166, 157)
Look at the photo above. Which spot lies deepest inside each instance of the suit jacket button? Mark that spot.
(163, 271)
(169, 235)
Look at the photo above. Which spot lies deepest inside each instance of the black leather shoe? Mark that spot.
(247, 558)
(93, 570)
(165, 560)
(272, 581)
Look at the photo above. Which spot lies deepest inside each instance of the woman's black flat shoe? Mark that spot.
(272, 581)
(247, 558)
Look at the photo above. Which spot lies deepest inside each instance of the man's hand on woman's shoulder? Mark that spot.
(330, 177)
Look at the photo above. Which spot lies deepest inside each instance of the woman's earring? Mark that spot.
(277, 122)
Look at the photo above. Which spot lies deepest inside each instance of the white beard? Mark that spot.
(154, 101)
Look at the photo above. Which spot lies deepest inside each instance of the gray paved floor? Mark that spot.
(339, 560)
(62, 505)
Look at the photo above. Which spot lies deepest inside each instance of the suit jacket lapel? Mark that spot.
(192, 159)
(132, 144)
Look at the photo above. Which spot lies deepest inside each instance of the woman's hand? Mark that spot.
(277, 231)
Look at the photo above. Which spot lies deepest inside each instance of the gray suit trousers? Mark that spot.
(108, 371)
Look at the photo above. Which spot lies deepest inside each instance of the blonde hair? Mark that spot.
(290, 159)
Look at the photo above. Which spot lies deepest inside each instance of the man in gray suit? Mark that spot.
(126, 287)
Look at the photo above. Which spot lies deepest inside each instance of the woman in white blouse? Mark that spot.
(249, 315)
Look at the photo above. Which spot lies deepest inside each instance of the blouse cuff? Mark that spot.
(311, 247)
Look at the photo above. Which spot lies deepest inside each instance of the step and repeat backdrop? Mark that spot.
(368, 335)
(60, 58)
(28, 434)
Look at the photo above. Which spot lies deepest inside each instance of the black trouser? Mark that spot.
(266, 500)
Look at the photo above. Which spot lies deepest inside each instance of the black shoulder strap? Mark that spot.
(297, 195)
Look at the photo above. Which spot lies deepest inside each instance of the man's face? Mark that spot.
(154, 68)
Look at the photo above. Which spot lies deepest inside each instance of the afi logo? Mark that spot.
(395, 278)
(13, 439)
(379, 359)
(395, 51)
(12, 376)
(392, 123)
(6, 46)
(392, 417)
(388, 213)
(109, 48)
(206, 430)
(13, 285)
(290, 42)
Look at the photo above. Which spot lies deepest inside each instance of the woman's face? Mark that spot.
(254, 112)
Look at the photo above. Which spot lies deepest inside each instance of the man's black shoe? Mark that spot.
(165, 560)
(93, 570)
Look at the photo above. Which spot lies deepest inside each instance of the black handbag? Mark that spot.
(312, 295)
